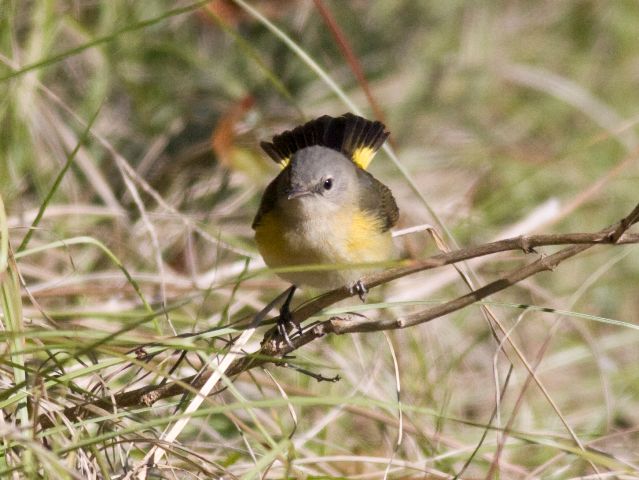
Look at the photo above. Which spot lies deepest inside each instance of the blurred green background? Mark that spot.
(510, 117)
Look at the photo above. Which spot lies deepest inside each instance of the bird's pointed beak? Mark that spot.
(297, 192)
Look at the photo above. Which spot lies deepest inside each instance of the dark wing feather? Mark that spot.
(377, 198)
(269, 199)
(362, 138)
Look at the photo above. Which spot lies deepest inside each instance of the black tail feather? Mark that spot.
(354, 136)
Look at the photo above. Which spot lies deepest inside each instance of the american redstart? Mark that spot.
(324, 207)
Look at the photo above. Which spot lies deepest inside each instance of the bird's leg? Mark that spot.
(360, 289)
(286, 319)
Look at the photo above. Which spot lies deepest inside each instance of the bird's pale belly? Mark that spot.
(337, 240)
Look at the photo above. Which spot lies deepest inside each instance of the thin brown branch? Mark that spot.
(273, 349)
(625, 224)
(525, 243)
(544, 263)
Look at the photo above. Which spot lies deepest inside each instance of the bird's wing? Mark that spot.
(377, 198)
(267, 203)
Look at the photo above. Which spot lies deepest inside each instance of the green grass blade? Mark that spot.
(104, 39)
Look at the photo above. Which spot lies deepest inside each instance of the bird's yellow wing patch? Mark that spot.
(366, 241)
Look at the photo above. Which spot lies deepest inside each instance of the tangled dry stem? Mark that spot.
(274, 350)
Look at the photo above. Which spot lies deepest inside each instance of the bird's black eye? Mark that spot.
(328, 184)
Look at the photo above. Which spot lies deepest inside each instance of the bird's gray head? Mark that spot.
(318, 178)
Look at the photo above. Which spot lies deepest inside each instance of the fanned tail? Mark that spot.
(357, 138)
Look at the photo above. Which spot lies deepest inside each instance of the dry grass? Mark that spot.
(507, 118)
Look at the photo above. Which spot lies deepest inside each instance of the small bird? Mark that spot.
(324, 207)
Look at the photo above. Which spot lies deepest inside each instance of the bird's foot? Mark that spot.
(286, 320)
(360, 289)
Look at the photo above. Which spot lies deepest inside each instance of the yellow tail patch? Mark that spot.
(363, 156)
